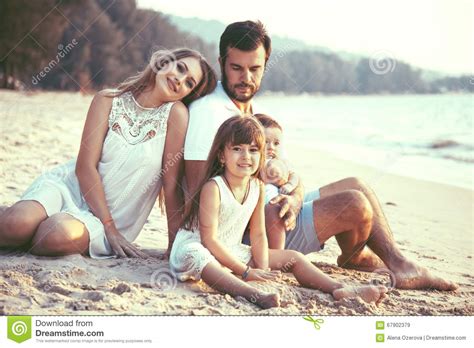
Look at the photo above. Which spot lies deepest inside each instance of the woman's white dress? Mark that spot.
(130, 168)
(189, 257)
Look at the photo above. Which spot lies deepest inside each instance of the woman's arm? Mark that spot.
(258, 235)
(95, 130)
(173, 169)
(208, 223)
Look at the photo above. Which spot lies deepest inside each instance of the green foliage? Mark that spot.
(91, 44)
(82, 45)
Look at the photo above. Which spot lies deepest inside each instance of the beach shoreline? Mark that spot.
(432, 223)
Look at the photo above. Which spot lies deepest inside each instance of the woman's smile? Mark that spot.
(171, 85)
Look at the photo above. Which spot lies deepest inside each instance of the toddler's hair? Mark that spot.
(267, 121)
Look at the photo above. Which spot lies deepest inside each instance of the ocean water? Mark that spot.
(429, 137)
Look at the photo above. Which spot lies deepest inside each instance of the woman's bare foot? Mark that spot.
(265, 300)
(411, 276)
(365, 261)
(368, 293)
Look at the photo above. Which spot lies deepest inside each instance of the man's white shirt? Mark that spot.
(205, 117)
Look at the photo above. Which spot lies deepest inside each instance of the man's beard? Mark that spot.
(233, 95)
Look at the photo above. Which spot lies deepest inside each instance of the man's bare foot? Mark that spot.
(265, 300)
(3, 208)
(368, 293)
(365, 261)
(411, 276)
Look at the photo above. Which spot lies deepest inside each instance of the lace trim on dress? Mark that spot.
(230, 208)
(136, 124)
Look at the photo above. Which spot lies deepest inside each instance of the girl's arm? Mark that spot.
(208, 223)
(173, 169)
(258, 235)
(90, 183)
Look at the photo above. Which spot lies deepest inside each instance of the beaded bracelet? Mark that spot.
(108, 221)
(246, 273)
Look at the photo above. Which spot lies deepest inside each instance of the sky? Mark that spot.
(431, 34)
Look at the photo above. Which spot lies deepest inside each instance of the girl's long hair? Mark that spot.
(236, 130)
(145, 79)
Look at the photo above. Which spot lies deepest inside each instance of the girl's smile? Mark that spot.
(241, 159)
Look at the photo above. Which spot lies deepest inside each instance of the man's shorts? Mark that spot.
(303, 237)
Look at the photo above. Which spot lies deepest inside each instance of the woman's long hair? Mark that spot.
(236, 130)
(159, 60)
(146, 78)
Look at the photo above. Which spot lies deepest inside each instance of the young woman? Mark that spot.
(232, 196)
(131, 149)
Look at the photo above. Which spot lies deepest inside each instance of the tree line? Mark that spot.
(87, 44)
(91, 44)
(319, 72)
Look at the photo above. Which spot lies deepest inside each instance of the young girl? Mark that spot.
(209, 244)
(98, 203)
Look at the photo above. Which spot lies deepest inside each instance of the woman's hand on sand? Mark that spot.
(262, 275)
(120, 246)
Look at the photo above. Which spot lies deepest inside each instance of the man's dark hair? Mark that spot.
(245, 36)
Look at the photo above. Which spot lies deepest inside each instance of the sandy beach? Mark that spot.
(432, 223)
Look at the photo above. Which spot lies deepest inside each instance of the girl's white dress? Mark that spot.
(130, 168)
(189, 257)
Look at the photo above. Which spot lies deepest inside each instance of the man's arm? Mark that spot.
(194, 171)
(290, 206)
(199, 136)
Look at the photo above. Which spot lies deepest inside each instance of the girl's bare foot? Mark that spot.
(265, 300)
(368, 293)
